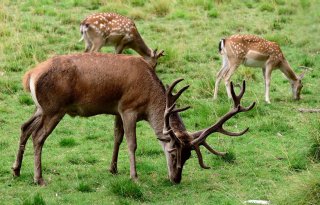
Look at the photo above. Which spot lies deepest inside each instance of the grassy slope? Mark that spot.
(272, 160)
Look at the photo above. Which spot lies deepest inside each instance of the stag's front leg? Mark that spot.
(129, 125)
(118, 137)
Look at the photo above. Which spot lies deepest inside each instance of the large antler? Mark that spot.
(170, 109)
(201, 136)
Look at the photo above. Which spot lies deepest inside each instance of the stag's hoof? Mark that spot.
(15, 171)
(40, 182)
(113, 170)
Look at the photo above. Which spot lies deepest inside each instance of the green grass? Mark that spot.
(277, 160)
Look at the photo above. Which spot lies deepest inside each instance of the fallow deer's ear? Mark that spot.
(302, 74)
(160, 54)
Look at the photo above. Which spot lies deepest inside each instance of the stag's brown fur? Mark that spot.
(125, 86)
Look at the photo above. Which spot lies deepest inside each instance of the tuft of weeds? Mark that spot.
(137, 14)
(286, 11)
(267, 8)
(37, 200)
(315, 151)
(298, 162)
(280, 2)
(9, 87)
(229, 157)
(279, 39)
(305, 4)
(161, 8)
(83, 187)
(138, 2)
(67, 142)
(301, 189)
(246, 73)
(276, 25)
(213, 13)
(25, 99)
(307, 61)
(126, 188)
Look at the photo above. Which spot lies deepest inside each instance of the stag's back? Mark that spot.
(94, 83)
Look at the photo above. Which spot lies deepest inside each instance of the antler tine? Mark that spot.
(170, 88)
(200, 159)
(206, 145)
(237, 98)
(170, 109)
(218, 126)
(172, 98)
(233, 134)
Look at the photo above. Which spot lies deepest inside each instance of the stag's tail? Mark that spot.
(221, 45)
(26, 81)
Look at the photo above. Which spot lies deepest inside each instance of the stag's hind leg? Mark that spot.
(49, 122)
(26, 129)
(118, 137)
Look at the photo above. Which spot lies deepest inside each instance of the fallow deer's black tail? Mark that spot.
(221, 45)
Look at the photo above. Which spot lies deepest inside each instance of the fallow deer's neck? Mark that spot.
(289, 73)
(142, 48)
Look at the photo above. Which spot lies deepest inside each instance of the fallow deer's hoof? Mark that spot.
(40, 182)
(222, 154)
(135, 179)
(15, 172)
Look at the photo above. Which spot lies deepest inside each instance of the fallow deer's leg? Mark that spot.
(39, 137)
(119, 48)
(129, 120)
(123, 43)
(97, 44)
(88, 43)
(267, 80)
(118, 137)
(219, 76)
(232, 68)
(26, 129)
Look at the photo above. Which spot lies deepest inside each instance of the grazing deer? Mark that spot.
(254, 51)
(94, 83)
(116, 30)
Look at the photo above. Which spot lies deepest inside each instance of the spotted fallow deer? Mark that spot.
(115, 30)
(254, 51)
(89, 84)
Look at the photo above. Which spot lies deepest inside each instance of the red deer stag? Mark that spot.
(93, 83)
(254, 51)
(115, 30)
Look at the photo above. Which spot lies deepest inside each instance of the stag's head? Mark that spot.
(178, 143)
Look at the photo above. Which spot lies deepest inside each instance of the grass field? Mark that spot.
(277, 160)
